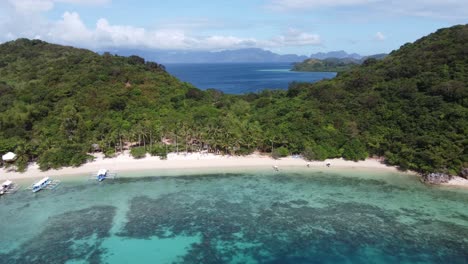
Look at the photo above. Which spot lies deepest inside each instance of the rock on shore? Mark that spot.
(436, 178)
(464, 173)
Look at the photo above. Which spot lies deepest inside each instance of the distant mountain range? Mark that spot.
(226, 56)
(341, 54)
(250, 55)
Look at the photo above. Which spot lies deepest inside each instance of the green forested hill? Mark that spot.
(56, 101)
(326, 65)
(333, 64)
(411, 107)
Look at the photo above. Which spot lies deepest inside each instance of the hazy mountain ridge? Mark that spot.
(248, 55)
(340, 54)
(252, 55)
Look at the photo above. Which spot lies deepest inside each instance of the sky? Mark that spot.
(283, 26)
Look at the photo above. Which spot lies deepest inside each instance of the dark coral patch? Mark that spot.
(74, 235)
(269, 228)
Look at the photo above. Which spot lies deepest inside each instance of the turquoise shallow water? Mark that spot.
(294, 216)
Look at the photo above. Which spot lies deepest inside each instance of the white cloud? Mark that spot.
(34, 6)
(227, 42)
(85, 2)
(294, 37)
(380, 36)
(108, 35)
(18, 19)
(284, 5)
(71, 30)
(447, 10)
(31, 6)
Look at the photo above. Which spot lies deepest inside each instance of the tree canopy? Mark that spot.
(59, 103)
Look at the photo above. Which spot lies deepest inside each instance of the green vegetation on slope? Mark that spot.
(56, 101)
(326, 65)
(333, 64)
(411, 107)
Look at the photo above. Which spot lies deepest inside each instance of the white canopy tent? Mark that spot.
(10, 156)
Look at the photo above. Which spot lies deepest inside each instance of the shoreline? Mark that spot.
(184, 161)
(125, 163)
(457, 181)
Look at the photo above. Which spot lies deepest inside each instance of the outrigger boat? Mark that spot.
(45, 183)
(103, 174)
(8, 187)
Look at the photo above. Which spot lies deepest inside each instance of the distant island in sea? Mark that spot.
(334, 64)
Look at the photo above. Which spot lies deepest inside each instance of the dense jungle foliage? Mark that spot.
(59, 103)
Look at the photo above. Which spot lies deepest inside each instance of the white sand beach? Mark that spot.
(126, 163)
(457, 181)
(199, 161)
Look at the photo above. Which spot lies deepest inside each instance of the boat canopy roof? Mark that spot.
(39, 183)
(9, 156)
(102, 172)
(7, 183)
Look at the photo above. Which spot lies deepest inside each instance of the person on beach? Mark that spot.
(276, 168)
(328, 164)
(308, 165)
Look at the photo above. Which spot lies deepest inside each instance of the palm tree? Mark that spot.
(22, 156)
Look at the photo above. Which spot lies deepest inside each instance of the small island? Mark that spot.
(333, 64)
(326, 65)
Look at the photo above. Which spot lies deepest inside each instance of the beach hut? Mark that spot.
(10, 156)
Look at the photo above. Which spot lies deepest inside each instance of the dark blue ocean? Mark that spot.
(239, 78)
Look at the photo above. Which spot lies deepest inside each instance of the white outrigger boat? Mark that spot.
(8, 187)
(45, 183)
(103, 174)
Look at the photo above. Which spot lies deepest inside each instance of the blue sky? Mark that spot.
(283, 26)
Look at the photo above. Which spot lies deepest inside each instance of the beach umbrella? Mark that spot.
(9, 156)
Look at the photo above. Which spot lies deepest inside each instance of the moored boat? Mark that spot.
(41, 184)
(102, 174)
(5, 187)
(8, 187)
